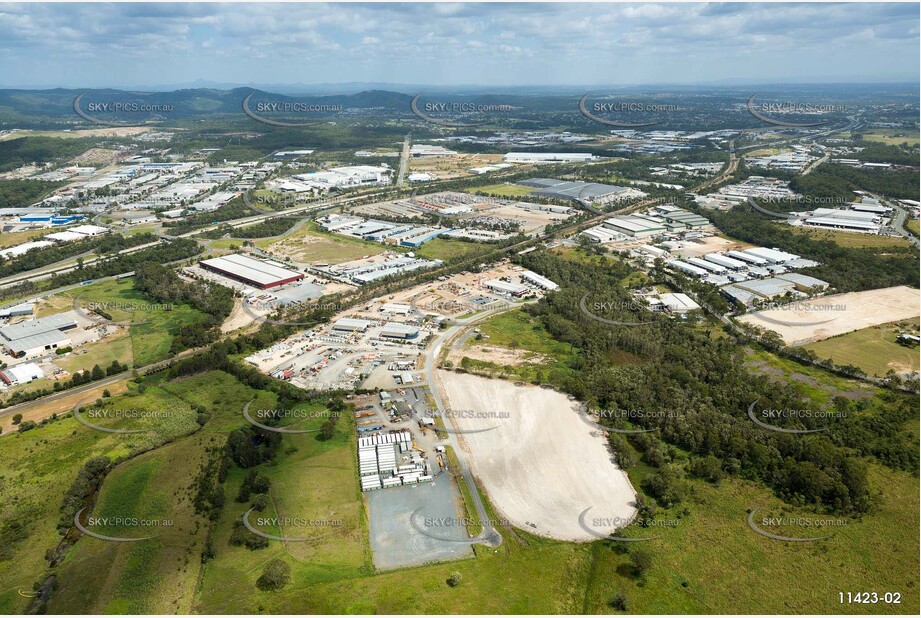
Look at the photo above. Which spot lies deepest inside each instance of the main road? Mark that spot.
(489, 535)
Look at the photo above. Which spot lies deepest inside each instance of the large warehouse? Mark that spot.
(594, 192)
(257, 273)
(39, 336)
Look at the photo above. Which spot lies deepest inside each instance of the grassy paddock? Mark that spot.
(872, 349)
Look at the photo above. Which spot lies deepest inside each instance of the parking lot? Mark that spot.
(398, 542)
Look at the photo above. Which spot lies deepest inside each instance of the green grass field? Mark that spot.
(853, 239)
(872, 349)
(708, 561)
(38, 466)
(892, 137)
(542, 355)
(504, 190)
(311, 244)
(149, 339)
(311, 479)
(159, 575)
(914, 226)
(445, 249)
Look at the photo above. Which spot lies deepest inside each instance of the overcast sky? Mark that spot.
(125, 45)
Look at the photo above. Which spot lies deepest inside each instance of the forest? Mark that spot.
(696, 390)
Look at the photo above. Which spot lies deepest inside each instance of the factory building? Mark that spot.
(600, 234)
(747, 257)
(713, 268)
(767, 288)
(21, 374)
(685, 219)
(351, 325)
(548, 157)
(39, 336)
(504, 287)
(772, 256)
(634, 227)
(592, 192)
(24, 248)
(257, 273)
(724, 261)
(541, 282)
(804, 283)
(686, 268)
(396, 330)
(17, 310)
(673, 303)
(398, 308)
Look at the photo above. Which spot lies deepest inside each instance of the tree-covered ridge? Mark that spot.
(695, 391)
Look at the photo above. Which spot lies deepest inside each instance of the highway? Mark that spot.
(404, 162)
(66, 265)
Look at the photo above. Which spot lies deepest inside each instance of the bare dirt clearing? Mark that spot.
(541, 464)
(820, 318)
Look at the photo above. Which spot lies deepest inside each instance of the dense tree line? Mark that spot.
(43, 256)
(162, 285)
(234, 209)
(847, 269)
(263, 229)
(15, 153)
(695, 391)
(89, 477)
(22, 192)
(840, 181)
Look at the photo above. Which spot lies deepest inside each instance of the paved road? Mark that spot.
(107, 381)
(53, 269)
(404, 162)
(815, 164)
(898, 220)
(489, 535)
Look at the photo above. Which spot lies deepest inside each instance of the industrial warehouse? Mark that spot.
(659, 221)
(592, 192)
(257, 273)
(36, 337)
(868, 217)
(389, 460)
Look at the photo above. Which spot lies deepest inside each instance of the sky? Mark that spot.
(153, 44)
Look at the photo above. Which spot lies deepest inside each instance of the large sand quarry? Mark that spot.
(828, 316)
(541, 465)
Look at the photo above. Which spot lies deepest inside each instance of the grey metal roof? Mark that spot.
(37, 341)
(55, 322)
